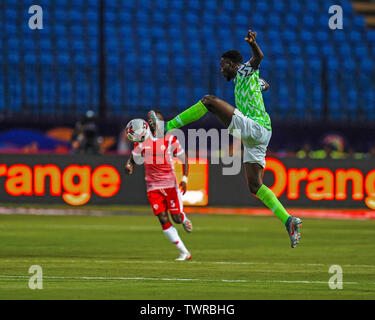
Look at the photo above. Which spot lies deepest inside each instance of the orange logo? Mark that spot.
(322, 183)
(75, 183)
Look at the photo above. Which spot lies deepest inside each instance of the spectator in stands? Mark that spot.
(305, 152)
(85, 138)
(371, 154)
(329, 151)
(352, 154)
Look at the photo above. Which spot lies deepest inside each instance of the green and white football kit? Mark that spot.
(250, 116)
(251, 123)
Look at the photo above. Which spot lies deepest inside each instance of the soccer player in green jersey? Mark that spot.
(250, 117)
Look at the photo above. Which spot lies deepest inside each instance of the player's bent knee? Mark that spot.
(163, 218)
(177, 218)
(209, 101)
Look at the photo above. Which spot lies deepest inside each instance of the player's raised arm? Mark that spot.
(256, 51)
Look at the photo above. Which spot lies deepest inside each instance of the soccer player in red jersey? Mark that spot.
(163, 191)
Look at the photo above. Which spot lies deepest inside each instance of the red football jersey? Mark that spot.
(158, 160)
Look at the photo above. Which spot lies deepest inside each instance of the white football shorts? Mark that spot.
(255, 138)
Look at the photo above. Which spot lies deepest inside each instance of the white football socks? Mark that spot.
(172, 234)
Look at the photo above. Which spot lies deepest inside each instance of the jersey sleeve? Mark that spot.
(246, 70)
(176, 147)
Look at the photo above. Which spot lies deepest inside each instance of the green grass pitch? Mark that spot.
(234, 257)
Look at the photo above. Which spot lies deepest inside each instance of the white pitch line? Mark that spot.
(190, 262)
(176, 279)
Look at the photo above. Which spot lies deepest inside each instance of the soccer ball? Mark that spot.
(137, 130)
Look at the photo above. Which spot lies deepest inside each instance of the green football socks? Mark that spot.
(270, 200)
(190, 115)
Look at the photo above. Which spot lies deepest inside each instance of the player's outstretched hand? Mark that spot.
(129, 168)
(183, 187)
(250, 37)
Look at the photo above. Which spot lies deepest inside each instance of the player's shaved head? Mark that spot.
(229, 63)
(233, 55)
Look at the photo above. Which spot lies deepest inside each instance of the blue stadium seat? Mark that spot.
(289, 36)
(13, 57)
(329, 51)
(322, 37)
(274, 20)
(178, 47)
(158, 17)
(125, 15)
(308, 21)
(144, 45)
(294, 50)
(306, 36)
(30, 58)
(131, 94)
(165, 97)
(277, 49)
(312, 51)
(176, 6)
(142, 17)
(92, 16)
(359, 22)
(229, 6)
(312, 6)
(224, 20)
(192, 34)
(210, 5)
(355, 36)
(366, 65)
(183, 96)
(161, 48)
(158, 33)
(279, 7)
(63, 58)
(45, 45)
(370, 36)
(192, 19)
(295, 7)
(148, 94)
(361, 51)
(291, 21)
(46, 58)
(161, 5)
(242, 21)
(154, 49)
(194, 5)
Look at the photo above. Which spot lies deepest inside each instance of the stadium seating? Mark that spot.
(165, 54)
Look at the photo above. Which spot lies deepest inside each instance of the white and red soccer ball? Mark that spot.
(137, 130)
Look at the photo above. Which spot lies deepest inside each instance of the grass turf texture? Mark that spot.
(234, 257)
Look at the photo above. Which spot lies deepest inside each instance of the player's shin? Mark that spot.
(172, 235)
(270, 200)
(190, 115)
